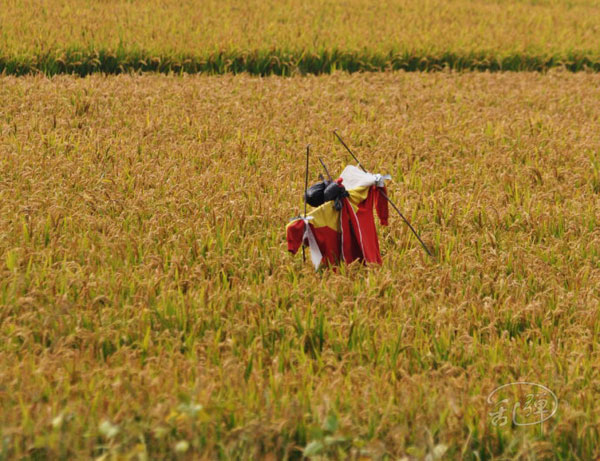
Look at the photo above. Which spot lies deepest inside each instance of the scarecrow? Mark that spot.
(342, 225)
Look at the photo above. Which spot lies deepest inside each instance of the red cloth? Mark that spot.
(327, 239)
(358, 236)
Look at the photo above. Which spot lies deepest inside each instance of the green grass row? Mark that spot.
(292, 37)
(281, 62)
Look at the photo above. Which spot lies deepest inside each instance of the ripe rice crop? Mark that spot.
(148, 307)
(290, 37)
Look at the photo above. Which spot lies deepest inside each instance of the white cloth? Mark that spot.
(353, 178)
(315, 252)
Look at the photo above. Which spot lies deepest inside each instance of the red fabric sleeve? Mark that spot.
(381, 205)
(295, 232)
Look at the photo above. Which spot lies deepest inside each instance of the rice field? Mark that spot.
(149, 309)
(289, 37)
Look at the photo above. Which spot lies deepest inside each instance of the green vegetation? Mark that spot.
(148, 308)
(288, 37)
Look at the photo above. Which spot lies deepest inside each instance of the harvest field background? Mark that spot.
(148, 306)
(148, 297)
